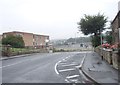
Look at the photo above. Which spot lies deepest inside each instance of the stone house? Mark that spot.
(116, 28)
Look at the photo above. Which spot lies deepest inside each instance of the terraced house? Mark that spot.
(116, 27)
(30, 39)
(116, 38)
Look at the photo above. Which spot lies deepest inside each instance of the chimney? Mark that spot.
(118, 6)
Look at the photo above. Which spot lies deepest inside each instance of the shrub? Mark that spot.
(95, 41)
(14, 41)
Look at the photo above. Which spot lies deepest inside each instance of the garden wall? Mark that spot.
(108, 55)
(8, 51)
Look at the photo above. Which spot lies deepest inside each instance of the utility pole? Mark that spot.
(101, 44)
(101, 39)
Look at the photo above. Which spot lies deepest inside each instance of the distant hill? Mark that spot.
(71, 41)
(79, 40)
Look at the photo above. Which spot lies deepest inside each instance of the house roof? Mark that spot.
(25, 33)
(116, 17)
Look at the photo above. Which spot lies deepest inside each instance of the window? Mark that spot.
(19, 34)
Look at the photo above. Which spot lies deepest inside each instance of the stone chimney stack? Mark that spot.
(119, 6)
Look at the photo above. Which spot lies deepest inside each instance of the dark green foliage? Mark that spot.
(79, 39)
(92, 24)
(95, 41)
(109, 39)
(14, 41)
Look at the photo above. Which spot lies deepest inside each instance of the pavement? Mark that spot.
(99, 70)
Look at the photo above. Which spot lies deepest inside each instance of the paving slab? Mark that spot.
(99, 69)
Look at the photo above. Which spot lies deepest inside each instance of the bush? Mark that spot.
(109, 39)
(95, 41)
(14, 41)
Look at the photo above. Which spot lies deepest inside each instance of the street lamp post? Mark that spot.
(101, 39)
(101, 44)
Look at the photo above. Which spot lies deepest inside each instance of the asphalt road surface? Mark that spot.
(44, 68)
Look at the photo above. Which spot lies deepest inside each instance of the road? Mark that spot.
(44, 68)
(74, 47)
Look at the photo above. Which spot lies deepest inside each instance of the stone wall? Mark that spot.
(107, 55)
(110, 56)
(115, 60)
(115, 28)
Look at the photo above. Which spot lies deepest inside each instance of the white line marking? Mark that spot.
(70, 64)
(74, 80)
(67, 81)
(66, 70)
(80, 66)
(66, 57)
(73, 63)
(56, 67)
(63, 63)
(63, 59)
(59, 61)
(73, 76)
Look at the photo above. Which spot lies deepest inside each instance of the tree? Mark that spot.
(95, 41)
(14, 41)
(109, 37)
(93, 25)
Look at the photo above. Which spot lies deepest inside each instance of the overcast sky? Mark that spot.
(56, 18)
